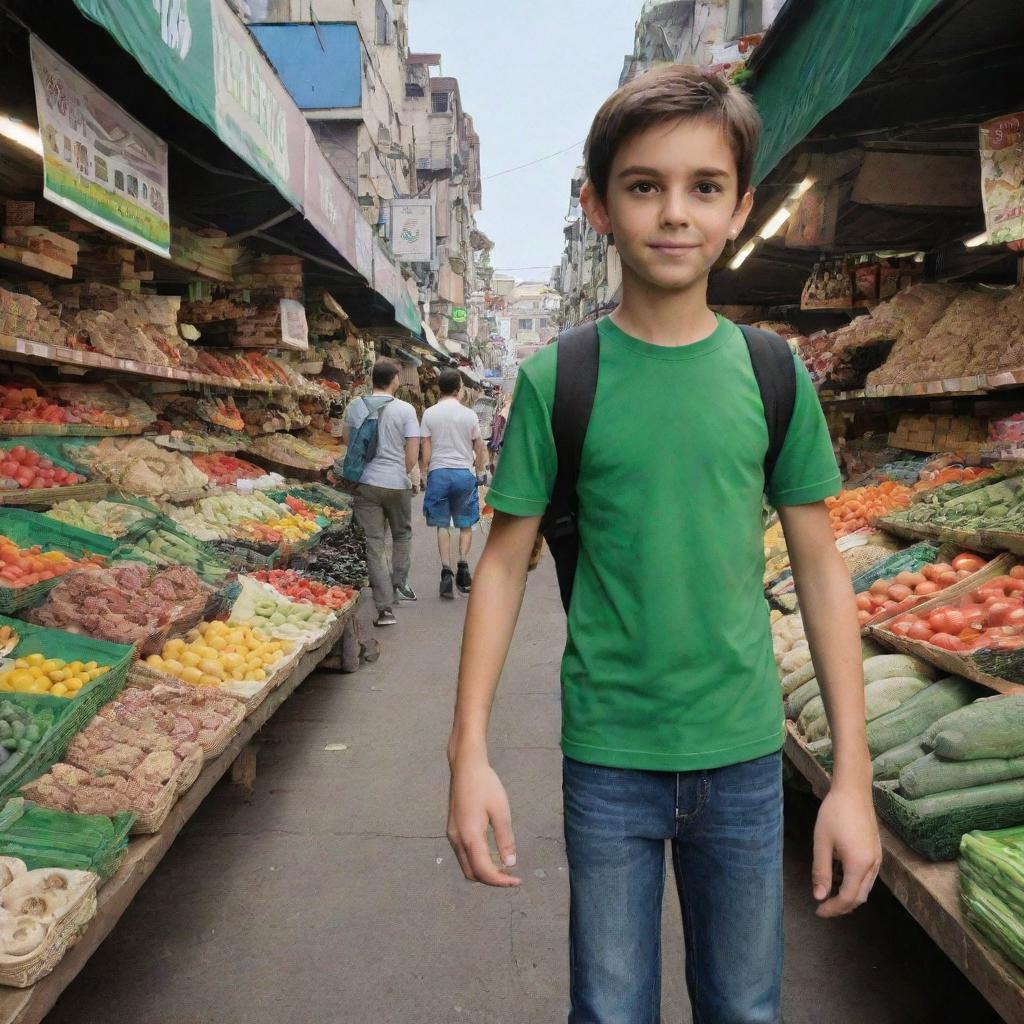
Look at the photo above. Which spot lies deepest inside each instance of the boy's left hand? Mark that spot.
(847, 831)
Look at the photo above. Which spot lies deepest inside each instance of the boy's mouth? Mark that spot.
(673, 248)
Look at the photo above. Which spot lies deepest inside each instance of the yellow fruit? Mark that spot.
(211, 667)
(232, 661)
(75, 667)
(172, 667)
(21, 677)
(190, 658)
(90, 665)
(258, 675)
(96, 673)
(238, 674)
(173, 648)
(59, 676)
(73, 685)
(209, 681)
(59, 690)
(21, 663)
(190, 674)
(36, 659)
(155, 661)
(37, 687)
(52, 665)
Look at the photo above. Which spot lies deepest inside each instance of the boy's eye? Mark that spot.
(643, 188)
(708, 188)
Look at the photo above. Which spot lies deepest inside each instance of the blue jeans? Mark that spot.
(451, 497)
(725, 825)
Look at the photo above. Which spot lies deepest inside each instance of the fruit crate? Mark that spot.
(206, 562)
(30, 529)
(44, 497)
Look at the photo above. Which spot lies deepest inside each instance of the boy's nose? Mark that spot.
(675, 210)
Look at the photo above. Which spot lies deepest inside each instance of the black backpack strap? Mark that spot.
(775, 371)
(578, 358)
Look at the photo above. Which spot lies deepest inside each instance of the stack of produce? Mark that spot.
(21, 729)
(161, 546)
(299, 587)
(109, 518)
(139, 467)
(36, 904)
(23, 467)
(66, 788)
(339, 559)
(992, 888)
(24, 406)
(310, 508)
(219, 653)
(125, 603)
(855, 509)
(218, 517)
(220, 411)
(35, 673)
(289, 450)
(989, 618)
(263, 606)
(225, 470)
(47, 839)
(981, 505)
(908, 588)
(292, 529)
(24, 567)
(22, 316)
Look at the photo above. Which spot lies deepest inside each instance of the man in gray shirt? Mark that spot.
(383, 498)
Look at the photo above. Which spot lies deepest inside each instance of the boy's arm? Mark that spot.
(846, 829)
(476, 797)
(412, 453)
(481, 455)
(426, 449)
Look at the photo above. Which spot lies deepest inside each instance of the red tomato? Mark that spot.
(879, 587)
(997, 612)
(18, 452)
(45, 464)
(947, 579)
(946, 642)
(898, 592)
(956, 621)
(938, 621)
(1017, 572)
(900, 627)
(927, 588)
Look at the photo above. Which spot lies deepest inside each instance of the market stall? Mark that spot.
(884, 245)
(180, 331)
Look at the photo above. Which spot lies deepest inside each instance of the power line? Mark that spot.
(540, 159)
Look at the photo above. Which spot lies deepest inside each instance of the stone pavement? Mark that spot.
(333, 895)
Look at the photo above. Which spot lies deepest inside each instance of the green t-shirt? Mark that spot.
(668, 664)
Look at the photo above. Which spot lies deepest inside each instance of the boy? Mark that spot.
(383, 499)
(452, 461)
(671, 714)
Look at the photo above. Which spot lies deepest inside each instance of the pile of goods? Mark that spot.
(224, 470)
(981, 505)
(992, 888)
(906, 589)
(218, 517)
(216, 653)
(310, 508)
(294, 529)
(107, 748)
(21, 729)
(36, 673)
(178, 714)
(279, 616)
(299, 587)
(989, 618)
(22, 467)
(163, 547)
(125, 603)
(139, 467)
(855, 509)
(22, 316)
(24, 567)
(67, 788)
(35, 905)
(110, 518)
(339, 559)
(292, 451)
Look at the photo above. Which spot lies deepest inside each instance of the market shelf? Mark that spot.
(976, 384)
(30, 1005)
(931, 893)
(37, 350)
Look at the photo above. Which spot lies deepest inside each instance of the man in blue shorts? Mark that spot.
(452, 456)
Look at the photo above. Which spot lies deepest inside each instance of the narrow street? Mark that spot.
(333, 895)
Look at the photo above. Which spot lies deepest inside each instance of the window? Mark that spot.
(542, 323)
(412, 90)
(439, 103)
(526, 325)
(384, 24)
(751, 21)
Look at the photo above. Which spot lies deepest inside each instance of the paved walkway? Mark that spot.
(333, 896)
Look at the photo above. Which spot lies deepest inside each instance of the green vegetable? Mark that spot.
(888, 764)
(932, 774)
(914, 716)
(885, 695)
(992, 728)
(798, 699)
(994, 795)
(888, 666)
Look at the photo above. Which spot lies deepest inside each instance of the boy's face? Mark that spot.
(672, 202)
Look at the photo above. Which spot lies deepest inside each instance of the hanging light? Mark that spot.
(740, 258)
(977, 240)
(21, 133)
(773, 223)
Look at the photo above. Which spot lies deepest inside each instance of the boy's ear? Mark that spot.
(594, 208)
(742, 212)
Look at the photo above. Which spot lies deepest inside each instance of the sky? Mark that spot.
(532, 74)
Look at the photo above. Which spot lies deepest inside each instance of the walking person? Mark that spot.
(672, 721)
(383, 496)
(452, 457)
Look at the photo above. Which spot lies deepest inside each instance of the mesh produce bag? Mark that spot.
(992, 728)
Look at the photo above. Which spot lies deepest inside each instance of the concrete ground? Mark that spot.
(333, 895)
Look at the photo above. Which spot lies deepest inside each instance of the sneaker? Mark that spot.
(464, 578)
(386, 617)
(448, 584)
(403, 592)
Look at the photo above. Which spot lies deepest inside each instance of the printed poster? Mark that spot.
(1002, 177)
(98, 161)
(412, 229)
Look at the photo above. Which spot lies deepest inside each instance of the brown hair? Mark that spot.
(384, 372)
(671, 93)
(449, 382)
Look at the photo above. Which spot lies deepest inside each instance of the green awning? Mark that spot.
(821, 53)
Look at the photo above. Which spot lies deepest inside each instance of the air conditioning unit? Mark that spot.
(384, 137)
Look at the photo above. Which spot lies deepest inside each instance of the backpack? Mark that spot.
(362, 444)
(575, 388)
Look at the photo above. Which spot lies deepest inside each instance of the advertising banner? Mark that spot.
(330, 206)
(98, 161)
(412, 229)
(1002, 177)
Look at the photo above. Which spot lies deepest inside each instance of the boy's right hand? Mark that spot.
(477, 799)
